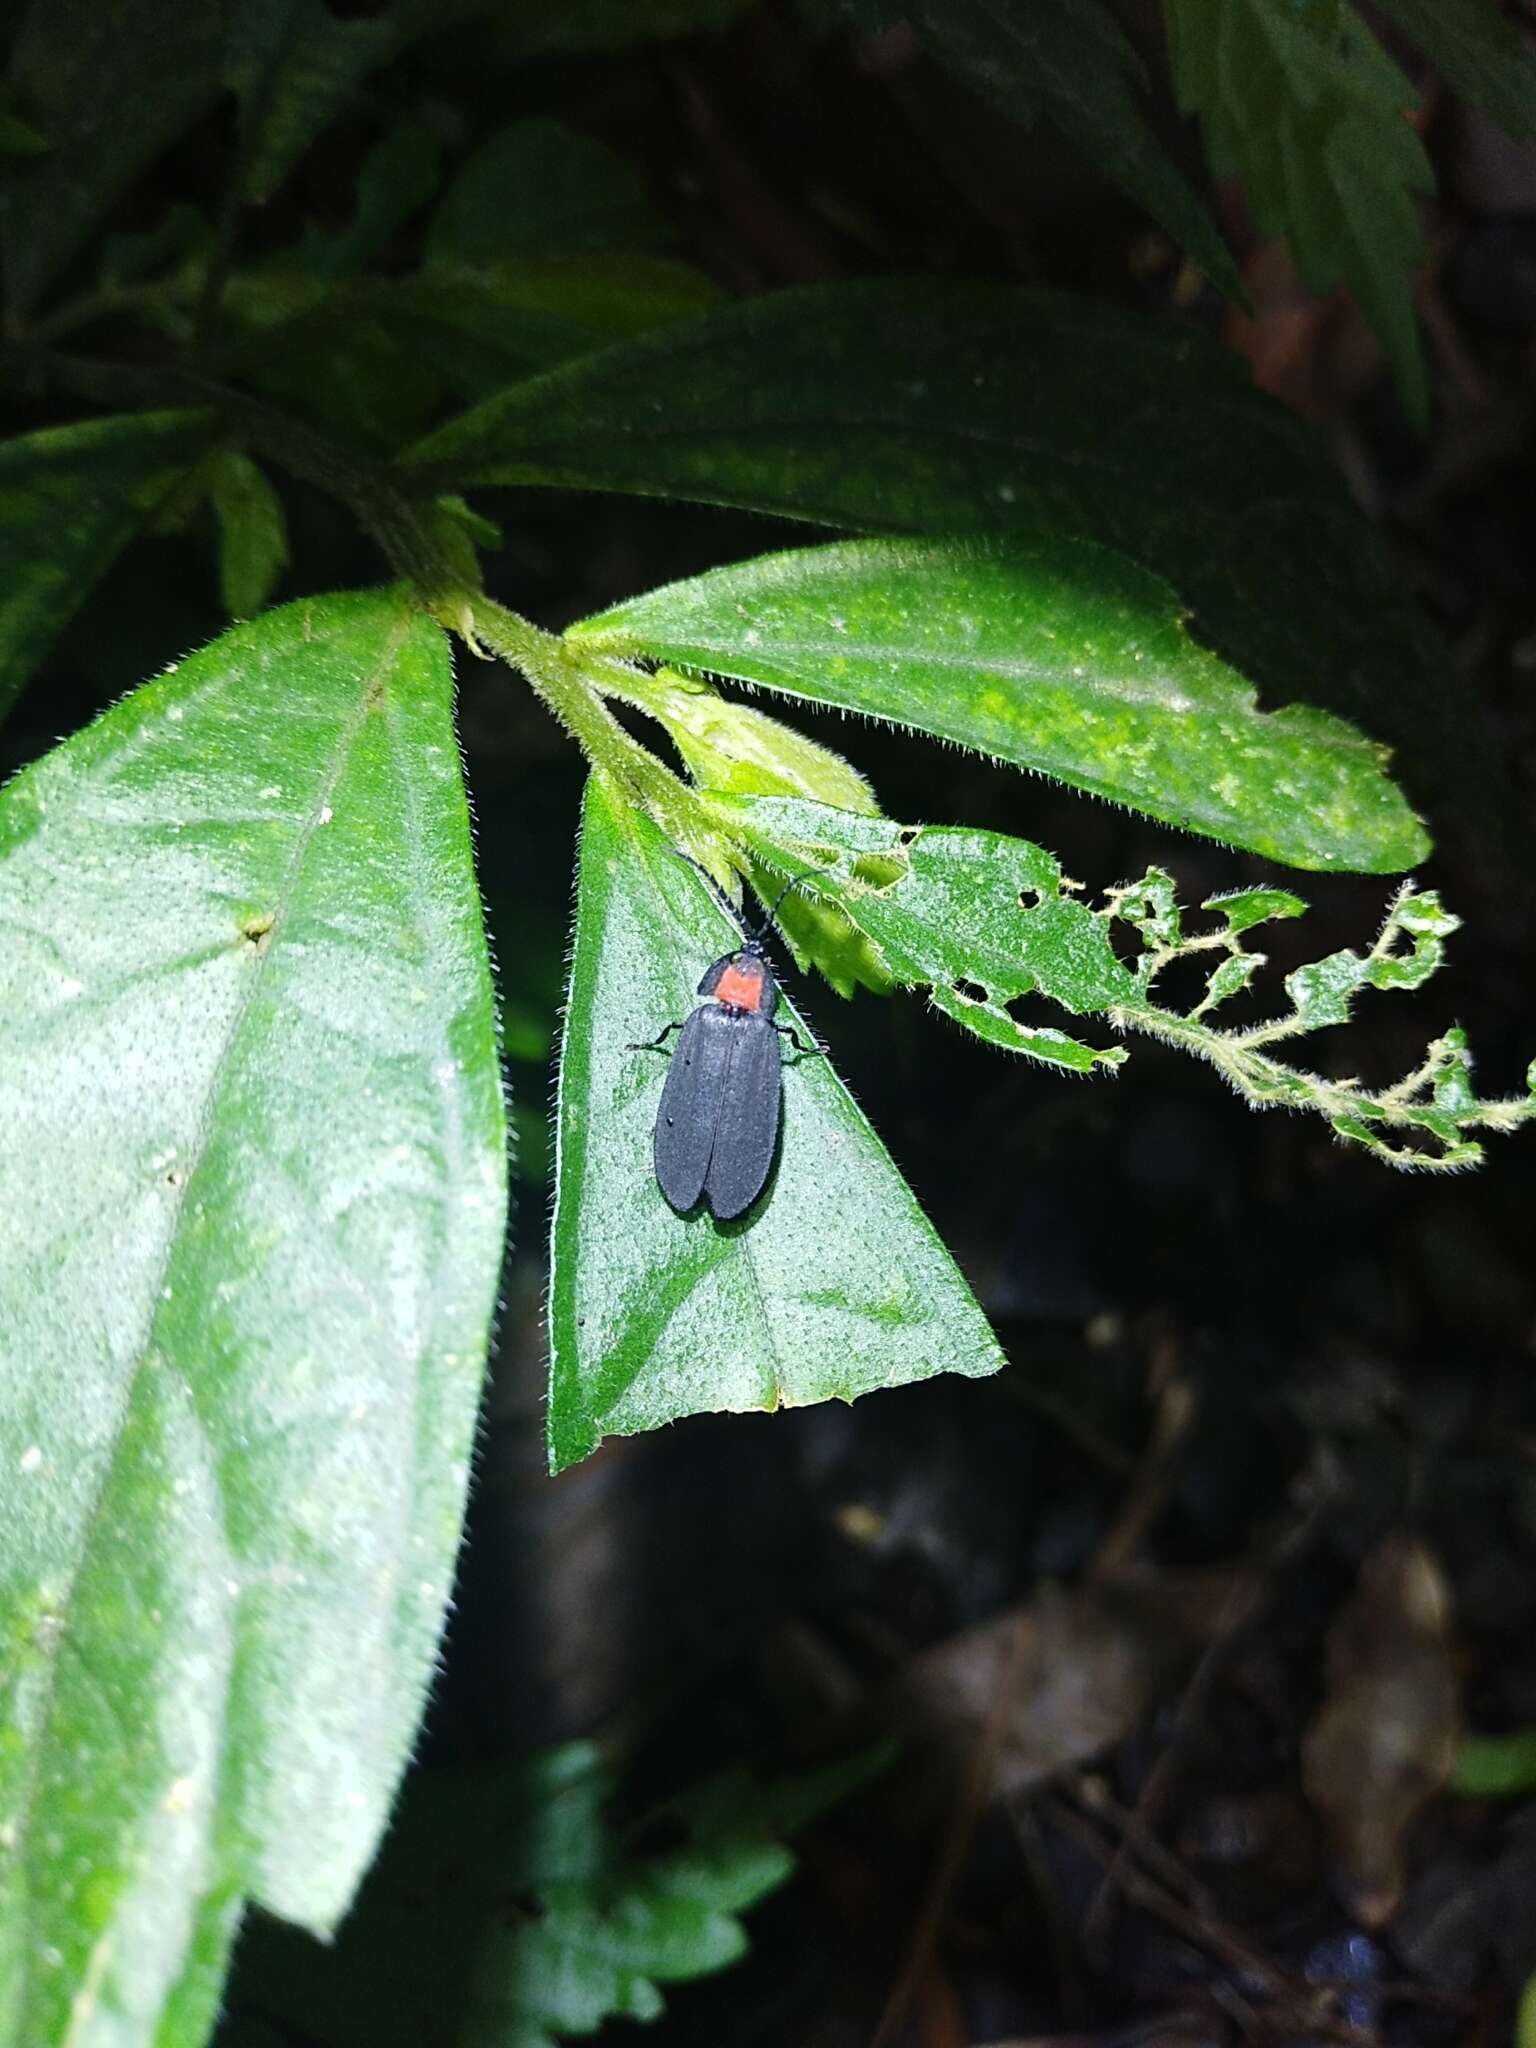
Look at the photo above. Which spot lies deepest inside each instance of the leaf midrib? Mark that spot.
(259, 967)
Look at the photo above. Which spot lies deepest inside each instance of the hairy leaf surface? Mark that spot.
(942, 408)
(252, 1170)
(1064, 658)
(833, 1285)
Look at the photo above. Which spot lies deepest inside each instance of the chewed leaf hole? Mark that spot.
(1126, 942)
(1024, 1009)
(879, 870)
(970, 991)
(1030, 899)
(907, 834)
(1182, 982)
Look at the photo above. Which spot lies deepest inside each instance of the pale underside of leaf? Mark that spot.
(251, 1142)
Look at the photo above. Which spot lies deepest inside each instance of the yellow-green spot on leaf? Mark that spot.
(1078, 664)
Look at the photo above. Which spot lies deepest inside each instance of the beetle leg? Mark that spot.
(789, 1031)
(655, 1044)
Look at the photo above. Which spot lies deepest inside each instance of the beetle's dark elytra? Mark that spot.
(718, 1124)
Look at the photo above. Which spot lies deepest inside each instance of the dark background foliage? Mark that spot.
(1239, 1352)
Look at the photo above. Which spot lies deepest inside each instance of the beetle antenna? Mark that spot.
(737, 918)
(793, 883)
(715, 890)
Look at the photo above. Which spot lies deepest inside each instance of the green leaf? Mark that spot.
(253, 533)
(398, 176)
(18, 137)
(1071, 61)
(977, 918)
(732, 749)
(952, 409)
(534, 188)
(833, 1286)
(348, 373)
(110, 87)
(505, 1909)
(1302, 103)
(294, 66)
(1245, 908)
(370, 352)
(176, 249)
(1066, 658)
(244, 1333)
(1480, 53)
(70, 499)
(482, 328)
(539, 28)
(981, 920)
(1496, 1766)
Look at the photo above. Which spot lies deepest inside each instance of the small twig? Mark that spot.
(957, 1838)
(1245, 1599)
(1176, 1406)
(1302, 2005)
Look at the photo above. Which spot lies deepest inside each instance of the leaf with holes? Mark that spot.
(980, 919)
(833, 1285)
(983, 920)
(253, 1177)
(1064, 658)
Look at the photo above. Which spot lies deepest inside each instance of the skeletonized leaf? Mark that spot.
(252, 1170)
(1065, 658)
(70, 499)
(982, 920)
(834, 1285)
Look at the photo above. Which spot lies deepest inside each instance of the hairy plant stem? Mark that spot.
(571, 683)
(566, 681)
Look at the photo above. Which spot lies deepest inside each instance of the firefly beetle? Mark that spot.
(718, 1123)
